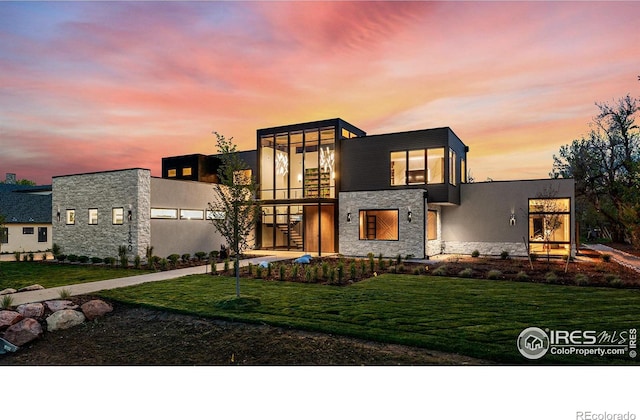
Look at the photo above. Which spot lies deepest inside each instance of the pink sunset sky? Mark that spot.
(91, 86)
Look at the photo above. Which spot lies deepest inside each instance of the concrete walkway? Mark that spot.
(621, 257)
(92, 287)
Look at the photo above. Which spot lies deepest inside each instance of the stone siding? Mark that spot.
(411, 239)
(127, 189)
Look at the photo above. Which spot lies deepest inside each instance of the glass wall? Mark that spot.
(408, 167)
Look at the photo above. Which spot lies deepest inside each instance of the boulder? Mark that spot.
(23, 332)
(8, 318)
(31, 288)
(95, 308)
(7, 291)
(64, 319)
(31, 310)
(58, 305)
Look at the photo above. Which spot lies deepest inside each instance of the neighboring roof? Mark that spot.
(25, 204)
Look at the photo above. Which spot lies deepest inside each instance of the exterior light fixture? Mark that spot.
(58, 214)
(129, 214)
(512, 219)
(349, 217)
(409, 215)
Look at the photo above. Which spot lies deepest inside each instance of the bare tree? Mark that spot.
(234, 209)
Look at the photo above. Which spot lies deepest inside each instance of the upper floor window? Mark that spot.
(172, 173)
(416, 167)
(452, 167)
(187, 171)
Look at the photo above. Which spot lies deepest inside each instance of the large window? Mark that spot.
(379, 225)
(93, 216)
(117, 216)
(42, 234)
(417, 167)
(452, 167)
(550, 225)
(4, 235)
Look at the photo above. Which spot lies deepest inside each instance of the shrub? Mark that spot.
(332, 276)
(372, 263)
(282, 272)
(613, 280)
(606, 257)
(72, 258)
(551, 277)
(96, 260)
(475, 253)
(363, 267)
(250, 269)
(214, 267)
(398, 259)
(522, 275)
(315, 273)
(214, 255)
(83, 259)
(164, 264)
(16, 255)
(400, 268)
(200, 255)
(259, 272)
(6, 302)
(25, 257)
(504, 255)
(494, 274)
(294, 272)
(382, 265)
(55, 249)
(64, 293)
(269, 269)
(325, 270)
(226, 265)
(307, 274)
(440, 271)
(417, 271)
(467, 272)
(352, 270)
(122, 256)
(380, 261)
(61, 257)
(581, 279)
(109, 261)
(186, 257)
(137, 262)
(173, 258)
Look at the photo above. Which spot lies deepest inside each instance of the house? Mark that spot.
(27, 217)
(324, 187)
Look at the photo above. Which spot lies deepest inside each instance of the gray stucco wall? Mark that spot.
(103, 191)
(482, 220)
(182, 236)
(411, 234)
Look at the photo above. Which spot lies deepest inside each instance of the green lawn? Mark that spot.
(478, 318)
(16, 275)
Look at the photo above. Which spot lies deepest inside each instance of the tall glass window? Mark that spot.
(267, 166)
(282, 166)
(452, 167)
(296, 157)
(435, 166)
(398, 168)
(416, 167)
(550, 225)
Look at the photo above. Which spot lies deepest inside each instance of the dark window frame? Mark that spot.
(28, 230)
(363, 236)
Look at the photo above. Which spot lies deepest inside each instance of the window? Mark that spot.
(550, 225)
(42, 234)
(432, 225)
(93, 216)
(187, 171)
(379, 225)
(71, 217)
(4, 235)
(27, 231)
(117, 215)
(215, 215)
(164, 213)
(172, 173)
(463, 171)
(452, 167)
(417, 167)
(191, 214)
(435, 166)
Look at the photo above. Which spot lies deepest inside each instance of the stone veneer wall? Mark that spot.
(411, 235)
(104, 191)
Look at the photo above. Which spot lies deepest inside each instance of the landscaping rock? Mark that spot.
(8, 318)
(7, 291)
(23, 332)
(31, 288)
(64, 319)
(31, 310)
(58, 305)
(95, 308)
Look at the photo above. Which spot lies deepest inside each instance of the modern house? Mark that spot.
(324, 187)
(27, 217)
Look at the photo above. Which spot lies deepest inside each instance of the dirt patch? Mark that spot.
(140, 336)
